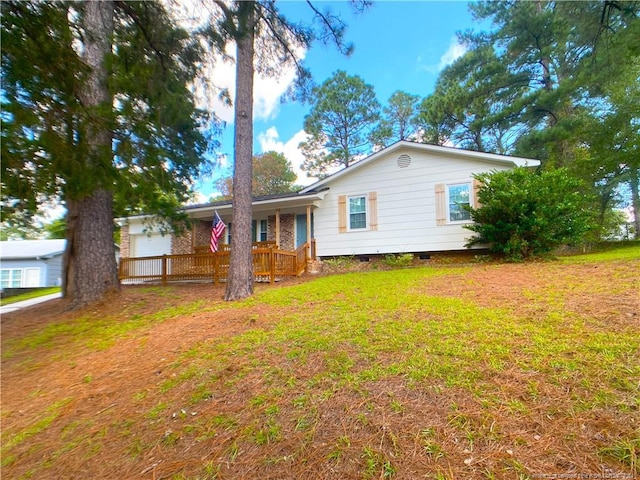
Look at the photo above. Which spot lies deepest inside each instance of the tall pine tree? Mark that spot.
(96, 114)
(341, 123)
(266, 41)
(547, 80)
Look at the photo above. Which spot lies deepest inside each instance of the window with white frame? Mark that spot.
(11, 278)
(358, 212)
(458, 200)
(259, 230)
(263, 230)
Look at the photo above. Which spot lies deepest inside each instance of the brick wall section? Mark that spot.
(203, 233)
(199, 234)
(287, 231)
(182, 244)
(125, 242)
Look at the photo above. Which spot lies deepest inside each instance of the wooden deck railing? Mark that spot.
(269, 264)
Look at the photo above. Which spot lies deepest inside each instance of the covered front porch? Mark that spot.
(282, 236)
(285, 220)
(270, 264)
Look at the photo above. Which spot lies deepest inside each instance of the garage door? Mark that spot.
(150, 246)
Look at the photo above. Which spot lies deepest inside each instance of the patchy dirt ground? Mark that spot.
(92, 388)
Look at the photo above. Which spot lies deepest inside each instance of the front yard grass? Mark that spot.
(476, 372)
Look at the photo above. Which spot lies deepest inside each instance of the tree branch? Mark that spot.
(282, 41)
(126, 8)
(335, 33)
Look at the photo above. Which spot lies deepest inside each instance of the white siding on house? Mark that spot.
(138, 226)
(406, 209)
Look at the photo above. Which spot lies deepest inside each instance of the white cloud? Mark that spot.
(455, 51)
(267, 91)
(220, 74)
(198, 198)
(216, 78)
(269, 140)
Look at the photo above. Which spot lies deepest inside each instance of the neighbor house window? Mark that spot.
(459, 197)
(357, 212)
(11, 278)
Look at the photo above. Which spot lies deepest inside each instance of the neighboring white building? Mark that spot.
(31, 263)
(405, 198)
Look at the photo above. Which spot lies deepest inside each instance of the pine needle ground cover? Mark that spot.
(492, 371)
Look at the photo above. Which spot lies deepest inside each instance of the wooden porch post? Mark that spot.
(193, 238)
(278, 228)
(308, 232)
(272, 265)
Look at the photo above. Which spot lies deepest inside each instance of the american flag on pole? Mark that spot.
(216, 231)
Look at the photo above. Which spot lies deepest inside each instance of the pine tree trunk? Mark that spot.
(240, 278)
(90, 269)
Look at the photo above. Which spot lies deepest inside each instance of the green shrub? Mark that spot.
(399, 260)
(340, 262)
(524, 214)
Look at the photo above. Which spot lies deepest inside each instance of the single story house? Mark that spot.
(405, 198)
(31, 263)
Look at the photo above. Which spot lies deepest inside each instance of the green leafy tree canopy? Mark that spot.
(272, 174)
(157, 142)
(556, 81)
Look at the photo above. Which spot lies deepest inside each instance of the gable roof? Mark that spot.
(317, 190)
(24, 249)
(426, 148)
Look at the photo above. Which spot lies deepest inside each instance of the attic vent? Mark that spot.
(404, 161)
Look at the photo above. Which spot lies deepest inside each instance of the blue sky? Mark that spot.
(398, 45)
